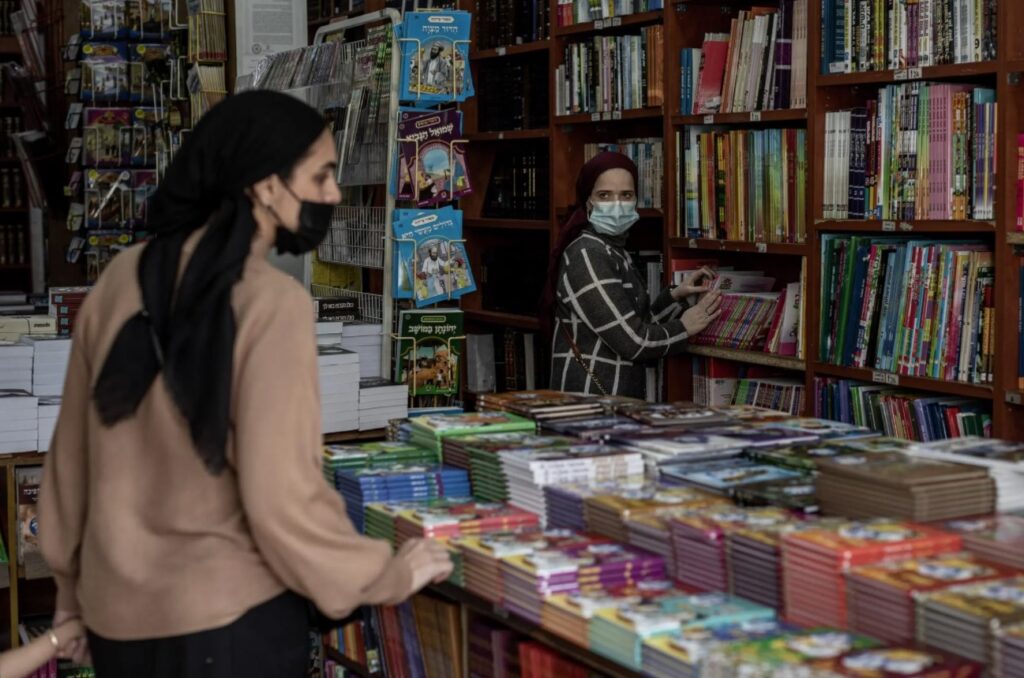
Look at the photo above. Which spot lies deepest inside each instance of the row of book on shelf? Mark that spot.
(572, 12)
(761, 64)
(872, 36)
(501, 23)
(640, 499)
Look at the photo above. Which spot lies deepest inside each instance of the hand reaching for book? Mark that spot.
(428, 560)
(703, 313)
(694, 282)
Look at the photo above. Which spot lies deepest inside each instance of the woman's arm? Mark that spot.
(26, 659)
(592, 286)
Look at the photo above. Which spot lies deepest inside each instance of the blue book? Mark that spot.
(435, 57)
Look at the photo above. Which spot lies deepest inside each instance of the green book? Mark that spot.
(430, 345)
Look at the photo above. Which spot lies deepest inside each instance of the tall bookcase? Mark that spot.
(685, 22)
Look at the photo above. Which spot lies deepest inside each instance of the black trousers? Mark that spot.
(269, 641)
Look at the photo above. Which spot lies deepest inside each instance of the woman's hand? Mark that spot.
(703, 313)
(71, 641)
(428, 560)
(694, 282)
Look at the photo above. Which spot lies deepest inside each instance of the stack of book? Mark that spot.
(744, 323)
(964, 619)
(364, 339)
(50, 357)
(430, 430)
(817, 559)
(743, 184)
(49, 410)
(529, 471)
(799, 495)
(652, 533)
(611, 73)
(16, 367)
(381, 454)
(329, 333)
(482, 555)
(541, 406)
(920, 151)
(398, 483)
(454, 519)
(1009, 652)
(568, 615)
(565, 501)
(701, 547)
(720, 383)
(761, 64)
(606, 513)
(620, 634)
(922, 308)
(65, 303)
(870, 37)
(460, 450)
(796, 652)
(339, 389)
(380, 401)
(725, 476)
(681, 654)
(595, 429)
(19, 421)
(896, 485)
(588, 563)
(997, 539)
(1004, 460)
(881, 597)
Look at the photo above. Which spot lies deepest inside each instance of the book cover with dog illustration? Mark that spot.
(429, 351)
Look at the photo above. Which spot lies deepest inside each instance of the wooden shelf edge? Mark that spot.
(785, 115)
(638, 19)
(355, 667)
(485, 608)
(939, 386)
(795, 249)
(510, 135)
(509, 224)
(906, 226)
(650, 112)
(751, 357)
(927, 73)
(525, 322)
(23, 459)
(509, 50)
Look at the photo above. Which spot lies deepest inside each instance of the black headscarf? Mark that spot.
(240, 141)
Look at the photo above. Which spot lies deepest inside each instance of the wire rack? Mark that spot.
(371, 306)
(356, 237)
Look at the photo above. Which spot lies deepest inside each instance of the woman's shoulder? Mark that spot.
(589, 242)
(264, 288)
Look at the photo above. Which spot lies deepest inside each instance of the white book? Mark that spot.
(767, 90)
(798, 83)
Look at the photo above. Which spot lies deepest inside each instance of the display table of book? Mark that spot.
(628, 538)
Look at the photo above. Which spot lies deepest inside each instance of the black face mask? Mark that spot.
(314, 222)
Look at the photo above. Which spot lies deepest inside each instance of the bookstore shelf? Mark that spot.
(9, 46)
(511, 224)
(510, 135)
(639, 19)
(954, 388)
(1015, 66)
(1015, 238)
(782, 115)
(475, 604)
(354, 667)
(651, 112)
(524, 322)
(509, 50)
(972, 70)
(907, 226)
(794, 249)
(749, 357)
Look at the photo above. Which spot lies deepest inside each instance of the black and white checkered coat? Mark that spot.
(604, 304)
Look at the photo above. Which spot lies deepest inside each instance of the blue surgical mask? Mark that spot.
(613, 218)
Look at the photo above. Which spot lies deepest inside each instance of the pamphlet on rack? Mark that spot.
(431, 264)
(429, 351)
(432, 157)
(435, 57)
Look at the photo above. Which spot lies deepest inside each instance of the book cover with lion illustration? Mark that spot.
(429, 351)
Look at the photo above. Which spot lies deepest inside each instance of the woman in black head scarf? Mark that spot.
(183, 511)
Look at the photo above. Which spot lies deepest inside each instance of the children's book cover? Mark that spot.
(429, 348)
(435, 56)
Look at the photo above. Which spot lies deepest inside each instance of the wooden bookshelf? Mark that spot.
(610, 116)
(749, 357)
(906, 227)
(511, 50)
(712, 245)
(944, 72)
(751, 118)
(511, 224)
(510, 135)
(626, 21)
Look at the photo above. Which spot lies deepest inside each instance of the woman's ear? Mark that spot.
(263, 192)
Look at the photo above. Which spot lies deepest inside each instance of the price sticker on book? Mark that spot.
(904, 226)
(501, 135)
(907, 74)
(888, 225)
(692, 243)
(762, 247)
(607, 115)
(1014, 398)
(892, 379)
(599, 24)
(879, 377)
(616, 115)
(594, 117)
(755, 116)
(500, 51)
(616, 21)
(709, 119)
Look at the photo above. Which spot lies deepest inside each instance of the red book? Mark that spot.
(714, 54)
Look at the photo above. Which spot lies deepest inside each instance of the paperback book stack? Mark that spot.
(568, 615)
(399, 483)
(653, 533)
(964, 619)
(799, 495)
(482, 555)
(529, 471)
(802, 457)
(672, 415)
(661, 449)
(1009, 653)
(565, 501)
(379, 519)
(680, 654)
(430, 431)
(19, 421)
(814, 562)
(364, 339)
(725, 476)
(798, 653)
(50, 357)
(596, 429)
(380, 401)
(591, 563)
(373, 455)
(997, 539)
(744, 323)
(1004, 461)
(339, 389)
(620, 634)
(881, 597)
(16, 367)
(607, 513)
(461, 519)
(462, 450)
(896, 485)
(701, 547)
(49, 410)
(541, 406)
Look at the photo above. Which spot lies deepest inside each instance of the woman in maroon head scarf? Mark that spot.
(595, 308)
